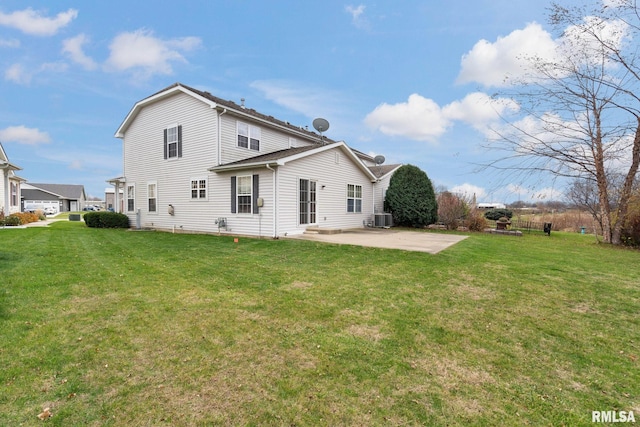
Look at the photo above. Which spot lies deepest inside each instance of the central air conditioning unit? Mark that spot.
(382, 220)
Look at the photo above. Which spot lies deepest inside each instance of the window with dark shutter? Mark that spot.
(233, 195)
(256, 210)
(244, 194)
(173, 142)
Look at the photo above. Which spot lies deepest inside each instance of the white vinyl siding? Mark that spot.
(144, 161)
(331, 183)
(270, 140)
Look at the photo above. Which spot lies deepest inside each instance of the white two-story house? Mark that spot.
(10, 193)
(195, 162)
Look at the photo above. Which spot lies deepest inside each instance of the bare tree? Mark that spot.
(451, 209)
(581, 110)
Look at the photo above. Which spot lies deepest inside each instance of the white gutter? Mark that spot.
(275, 201)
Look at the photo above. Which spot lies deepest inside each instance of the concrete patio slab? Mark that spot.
(388, 238)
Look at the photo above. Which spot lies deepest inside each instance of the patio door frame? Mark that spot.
(307, 202)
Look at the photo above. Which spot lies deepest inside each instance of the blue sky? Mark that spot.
(409, 80)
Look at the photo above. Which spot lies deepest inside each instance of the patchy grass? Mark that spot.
(123, 328)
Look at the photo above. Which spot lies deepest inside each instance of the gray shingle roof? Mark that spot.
(382, 170)
(249, 111)
(67, 191)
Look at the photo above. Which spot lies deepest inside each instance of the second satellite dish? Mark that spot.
(379, 159)
(320, 124)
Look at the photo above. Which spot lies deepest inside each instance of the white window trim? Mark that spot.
(354, 199)
(198, 179)
(155, 183)
(250, 194)
(252, 130)
(172, 126)
(134, 197)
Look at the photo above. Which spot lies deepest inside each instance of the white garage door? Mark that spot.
(41, 204)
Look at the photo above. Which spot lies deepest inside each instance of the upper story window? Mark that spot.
(173, 142)
(249, 136)
(354, 198)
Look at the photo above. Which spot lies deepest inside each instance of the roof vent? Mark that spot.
(242, 103)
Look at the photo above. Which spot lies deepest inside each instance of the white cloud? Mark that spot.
(422, 119)
(33, 22)
(578, 41)
(493, 64)
(73, 48)
(17, 74)
(469, 190)
(546, 195)
(22, 75)
(310, 101)
(146, 54)
(24, 135)
(517, 189)
(419, 118)
(10, 43)
(479, 109)
(357, 16)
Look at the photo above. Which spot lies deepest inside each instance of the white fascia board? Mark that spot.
(226, 168)
(155, 98)
(10, 166)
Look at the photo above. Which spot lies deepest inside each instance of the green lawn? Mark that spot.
(125, 328)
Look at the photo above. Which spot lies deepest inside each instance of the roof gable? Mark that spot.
(66, 191)
(282, 157)
(5, 164)
(221, 105)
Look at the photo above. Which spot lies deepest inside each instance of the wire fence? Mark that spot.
(524, 225)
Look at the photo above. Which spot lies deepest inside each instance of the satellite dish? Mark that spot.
(320, 124)
(379, 159)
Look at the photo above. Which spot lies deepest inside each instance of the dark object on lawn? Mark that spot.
(547, 228)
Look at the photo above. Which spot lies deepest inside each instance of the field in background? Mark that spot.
(125, 328)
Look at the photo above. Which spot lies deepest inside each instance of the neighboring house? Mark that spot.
(196, 162)
(492, 205)
(110, 199)
(62, 197)
(11, 188)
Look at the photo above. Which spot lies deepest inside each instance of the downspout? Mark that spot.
(220, 136)
(275, 201)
